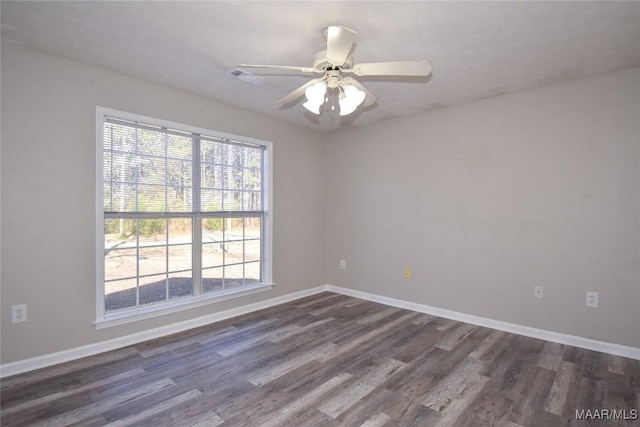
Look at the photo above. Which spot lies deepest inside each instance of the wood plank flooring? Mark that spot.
(329, 360)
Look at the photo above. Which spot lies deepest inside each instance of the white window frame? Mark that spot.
(107, 319)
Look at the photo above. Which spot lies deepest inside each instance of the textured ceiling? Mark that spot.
(478, 49)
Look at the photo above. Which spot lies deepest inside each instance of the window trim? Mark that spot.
(104, 319)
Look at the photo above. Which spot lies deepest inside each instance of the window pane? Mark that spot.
(212, 279)
(212, 246)
(211, 200)
(212, 255)
(150, 142)
(122, 198)
(234, 229)
(252, 273)
(251, 201)
(151, 198)
(152, 231)
(212, 229)
(120, 294)
(233, 276)
(152, 260)
(252, 250)
(151, 170)
(180, 285)
(233, 169)
(180, 230)
(179, 147)
(179, 199)
(180, 185)
(107, 136)
(153, 289)
(234, 252)
(253, 228)
(227, 154)
(253, 242)
(211, 175)
(231, 201)
(233, 178)
(120, 264)
(112, 230)
(107, 197)
(180, 258)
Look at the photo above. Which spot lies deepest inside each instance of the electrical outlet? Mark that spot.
(407, 273)
(592, 299)
(343, 264)
(18, 313)
(538, 292)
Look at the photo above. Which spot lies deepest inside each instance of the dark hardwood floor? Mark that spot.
(330, 360)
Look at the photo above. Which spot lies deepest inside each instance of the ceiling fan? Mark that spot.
(335, 65)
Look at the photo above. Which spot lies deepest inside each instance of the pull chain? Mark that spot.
(333, 99)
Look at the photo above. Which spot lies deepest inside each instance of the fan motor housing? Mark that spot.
(321, 62)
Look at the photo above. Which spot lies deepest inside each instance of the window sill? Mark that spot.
(148, 312)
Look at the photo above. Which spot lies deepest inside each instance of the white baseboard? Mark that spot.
(46, 360)
(586, 343)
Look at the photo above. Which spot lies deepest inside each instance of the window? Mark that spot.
(182, 215)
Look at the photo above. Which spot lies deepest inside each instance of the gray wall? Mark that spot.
(48, 196)
(483, 201)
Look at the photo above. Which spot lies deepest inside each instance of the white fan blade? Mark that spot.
(298, 92)
(397, 68)
(282, 67)
(339, 43)
(369, 99)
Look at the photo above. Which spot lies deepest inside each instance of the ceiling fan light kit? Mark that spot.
(350, 99)
(315, 97)
(334, 64)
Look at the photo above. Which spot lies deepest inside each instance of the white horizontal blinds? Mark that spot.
(146, 168)
(184, 213)
(231, 176)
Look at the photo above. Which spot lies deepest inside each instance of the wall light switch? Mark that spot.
(343, 264)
